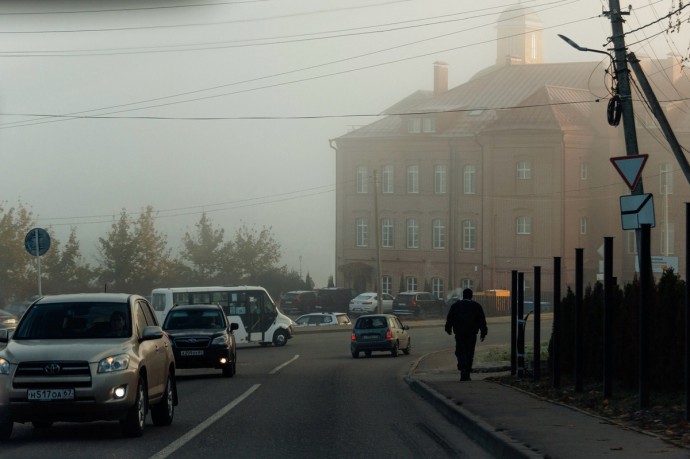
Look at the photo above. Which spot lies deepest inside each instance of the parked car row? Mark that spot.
(331, 299)
(408, 304)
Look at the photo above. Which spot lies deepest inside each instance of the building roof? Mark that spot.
(476, 104)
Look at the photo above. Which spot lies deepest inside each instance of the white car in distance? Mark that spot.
(365, 303)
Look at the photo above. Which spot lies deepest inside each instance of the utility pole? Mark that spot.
(642, 235)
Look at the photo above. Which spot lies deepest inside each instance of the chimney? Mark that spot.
(440, 77)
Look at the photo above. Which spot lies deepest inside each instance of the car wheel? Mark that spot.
(162, 413)
(394, 351)
(42, 424)
(280, 338)
(408, 349)
(133, 424)
(355, 354)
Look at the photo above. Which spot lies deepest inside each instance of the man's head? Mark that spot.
(467, 294)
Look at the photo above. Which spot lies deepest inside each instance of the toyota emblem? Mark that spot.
(52, 369)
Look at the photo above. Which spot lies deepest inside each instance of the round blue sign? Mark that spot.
(37, 242)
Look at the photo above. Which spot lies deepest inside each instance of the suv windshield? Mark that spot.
(75, 320)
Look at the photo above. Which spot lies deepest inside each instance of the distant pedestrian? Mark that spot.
(466, 318)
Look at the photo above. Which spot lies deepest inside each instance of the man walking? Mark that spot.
(465, 319)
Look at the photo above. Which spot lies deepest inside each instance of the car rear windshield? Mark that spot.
(186, 319)
(371, 322)
(75, 321)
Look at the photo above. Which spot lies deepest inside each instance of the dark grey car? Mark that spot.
(380, 332)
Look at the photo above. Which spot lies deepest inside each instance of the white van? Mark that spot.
(251, 308)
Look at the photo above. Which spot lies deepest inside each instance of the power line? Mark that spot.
(263, 40)
(139, 8)
(200, 24)
(30, 122)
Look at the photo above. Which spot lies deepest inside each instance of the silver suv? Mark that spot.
(87, 357)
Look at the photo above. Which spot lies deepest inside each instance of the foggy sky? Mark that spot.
(227, 107)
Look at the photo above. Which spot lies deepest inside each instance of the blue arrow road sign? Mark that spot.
(37, 242)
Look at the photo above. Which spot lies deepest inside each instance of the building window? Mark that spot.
(583, 225)
(467, 283)
(414, 125)
(667, 243)
(524, 170)
(437, 287)
(440, 179)
(412, 234)
(413, 179)
(665, 179)
(362, 179)
(362, 232)
(584, 171)
(386, 232)
(631, 243)
(469, 175)
(411, 284)
(387, 179)
(524, 225)
(429, 125)
(439, 234)
(469, 235)
(386, 284)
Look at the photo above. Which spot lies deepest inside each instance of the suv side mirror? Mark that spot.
(5, 335)
(152, 332)
(234, 326)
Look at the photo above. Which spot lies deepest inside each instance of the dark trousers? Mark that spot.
(464, 351)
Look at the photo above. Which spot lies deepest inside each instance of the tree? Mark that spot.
(308, 282)
(118, 257)
(152, 255)
(254, 252)
(65, 270)
(205, 251)
(17, 268)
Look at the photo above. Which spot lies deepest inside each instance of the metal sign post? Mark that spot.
(37, 243)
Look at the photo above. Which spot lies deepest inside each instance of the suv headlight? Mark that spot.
(222, 339)
(4, 366)
(113, 363)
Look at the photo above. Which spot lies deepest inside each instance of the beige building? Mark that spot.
(461, 186)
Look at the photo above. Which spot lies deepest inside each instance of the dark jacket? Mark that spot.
(466, 317)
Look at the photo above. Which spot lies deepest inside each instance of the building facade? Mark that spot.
(458, 187)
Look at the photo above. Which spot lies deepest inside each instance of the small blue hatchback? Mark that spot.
(380, 332)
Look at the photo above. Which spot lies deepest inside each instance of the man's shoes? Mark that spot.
(465, 376)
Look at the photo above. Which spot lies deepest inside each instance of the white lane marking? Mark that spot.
(180, 442)
(280, 367)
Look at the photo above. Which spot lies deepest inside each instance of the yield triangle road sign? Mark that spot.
(630, 168)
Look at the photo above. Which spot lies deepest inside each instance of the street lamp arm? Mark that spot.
(580, 48)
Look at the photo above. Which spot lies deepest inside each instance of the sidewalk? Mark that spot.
(509, 423)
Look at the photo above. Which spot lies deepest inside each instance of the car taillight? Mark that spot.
(353, 337)
(389, 333)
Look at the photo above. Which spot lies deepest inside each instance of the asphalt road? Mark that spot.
(307, 399)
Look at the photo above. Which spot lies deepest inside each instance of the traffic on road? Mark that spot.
(306, 399)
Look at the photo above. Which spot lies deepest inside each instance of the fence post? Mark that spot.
(513, 323)
(537, 323)
(579, 319)
(556, 349)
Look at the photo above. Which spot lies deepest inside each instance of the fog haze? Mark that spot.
(228, 107)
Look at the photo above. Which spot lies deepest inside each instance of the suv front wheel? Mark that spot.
(133, 424)
(162, 413)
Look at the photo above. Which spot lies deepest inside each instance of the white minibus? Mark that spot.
(251, 308)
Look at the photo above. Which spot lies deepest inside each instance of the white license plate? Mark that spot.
(190, 353)
(370, 336)
(48, 395)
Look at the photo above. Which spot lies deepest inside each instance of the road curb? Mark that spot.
(482, 433)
